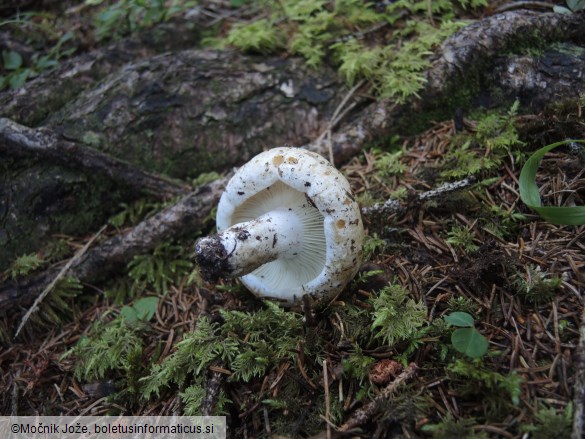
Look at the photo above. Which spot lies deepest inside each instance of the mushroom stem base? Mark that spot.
(246, 246)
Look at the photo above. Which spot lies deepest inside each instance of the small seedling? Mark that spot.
(466, 339)
(126, 16)
(17, 73)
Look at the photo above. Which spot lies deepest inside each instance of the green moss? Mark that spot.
(317, 31)
(396, 317)
(111, 346)
(451, 428)
(260, 36)
(474, 379)
(495, 138)
(551, 423)
(25, 264)
(93, 139)
(462, 238)
(535, 286)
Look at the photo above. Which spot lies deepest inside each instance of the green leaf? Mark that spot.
(561, 10)
(469, 342)
(460, 319)
(11, 59)
(531, 197)
(143, 309)
(18, 79)
(575, 5)
(146, 307)
(129, 313)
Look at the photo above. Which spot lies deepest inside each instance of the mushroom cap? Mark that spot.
(295, 178)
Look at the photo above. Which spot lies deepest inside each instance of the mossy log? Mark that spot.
(468, 56)
(187, 112)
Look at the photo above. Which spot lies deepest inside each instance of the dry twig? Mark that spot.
(579, 386)
(362, 415)
(56, 279)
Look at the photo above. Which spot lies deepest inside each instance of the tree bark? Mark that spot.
(20, 141)
(470, 53)
(31, 104)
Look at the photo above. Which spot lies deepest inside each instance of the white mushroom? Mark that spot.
(288, 225)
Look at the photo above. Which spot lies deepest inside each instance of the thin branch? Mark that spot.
(579, 386)
(327, 398)
(365, 413)
(56, 279)
(336, 117)
(18, 141)
(392, 206)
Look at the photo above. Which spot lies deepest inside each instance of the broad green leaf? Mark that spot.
(129, 313)
(470, 342)
(18, 79)
(576, 5)
(460, 319)
(146, 307)
(143, 309)
(561, 10)
(11, 59)
(531, 197)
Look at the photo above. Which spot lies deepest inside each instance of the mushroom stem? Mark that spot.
(242, 248)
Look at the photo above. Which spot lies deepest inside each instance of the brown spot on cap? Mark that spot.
(340, 224)
(277, 160)
(292, 160)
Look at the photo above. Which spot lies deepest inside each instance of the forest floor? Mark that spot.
(475, 251)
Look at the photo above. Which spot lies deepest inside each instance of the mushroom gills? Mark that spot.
(278, 237)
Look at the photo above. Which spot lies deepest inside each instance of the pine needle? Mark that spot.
(59, 276)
